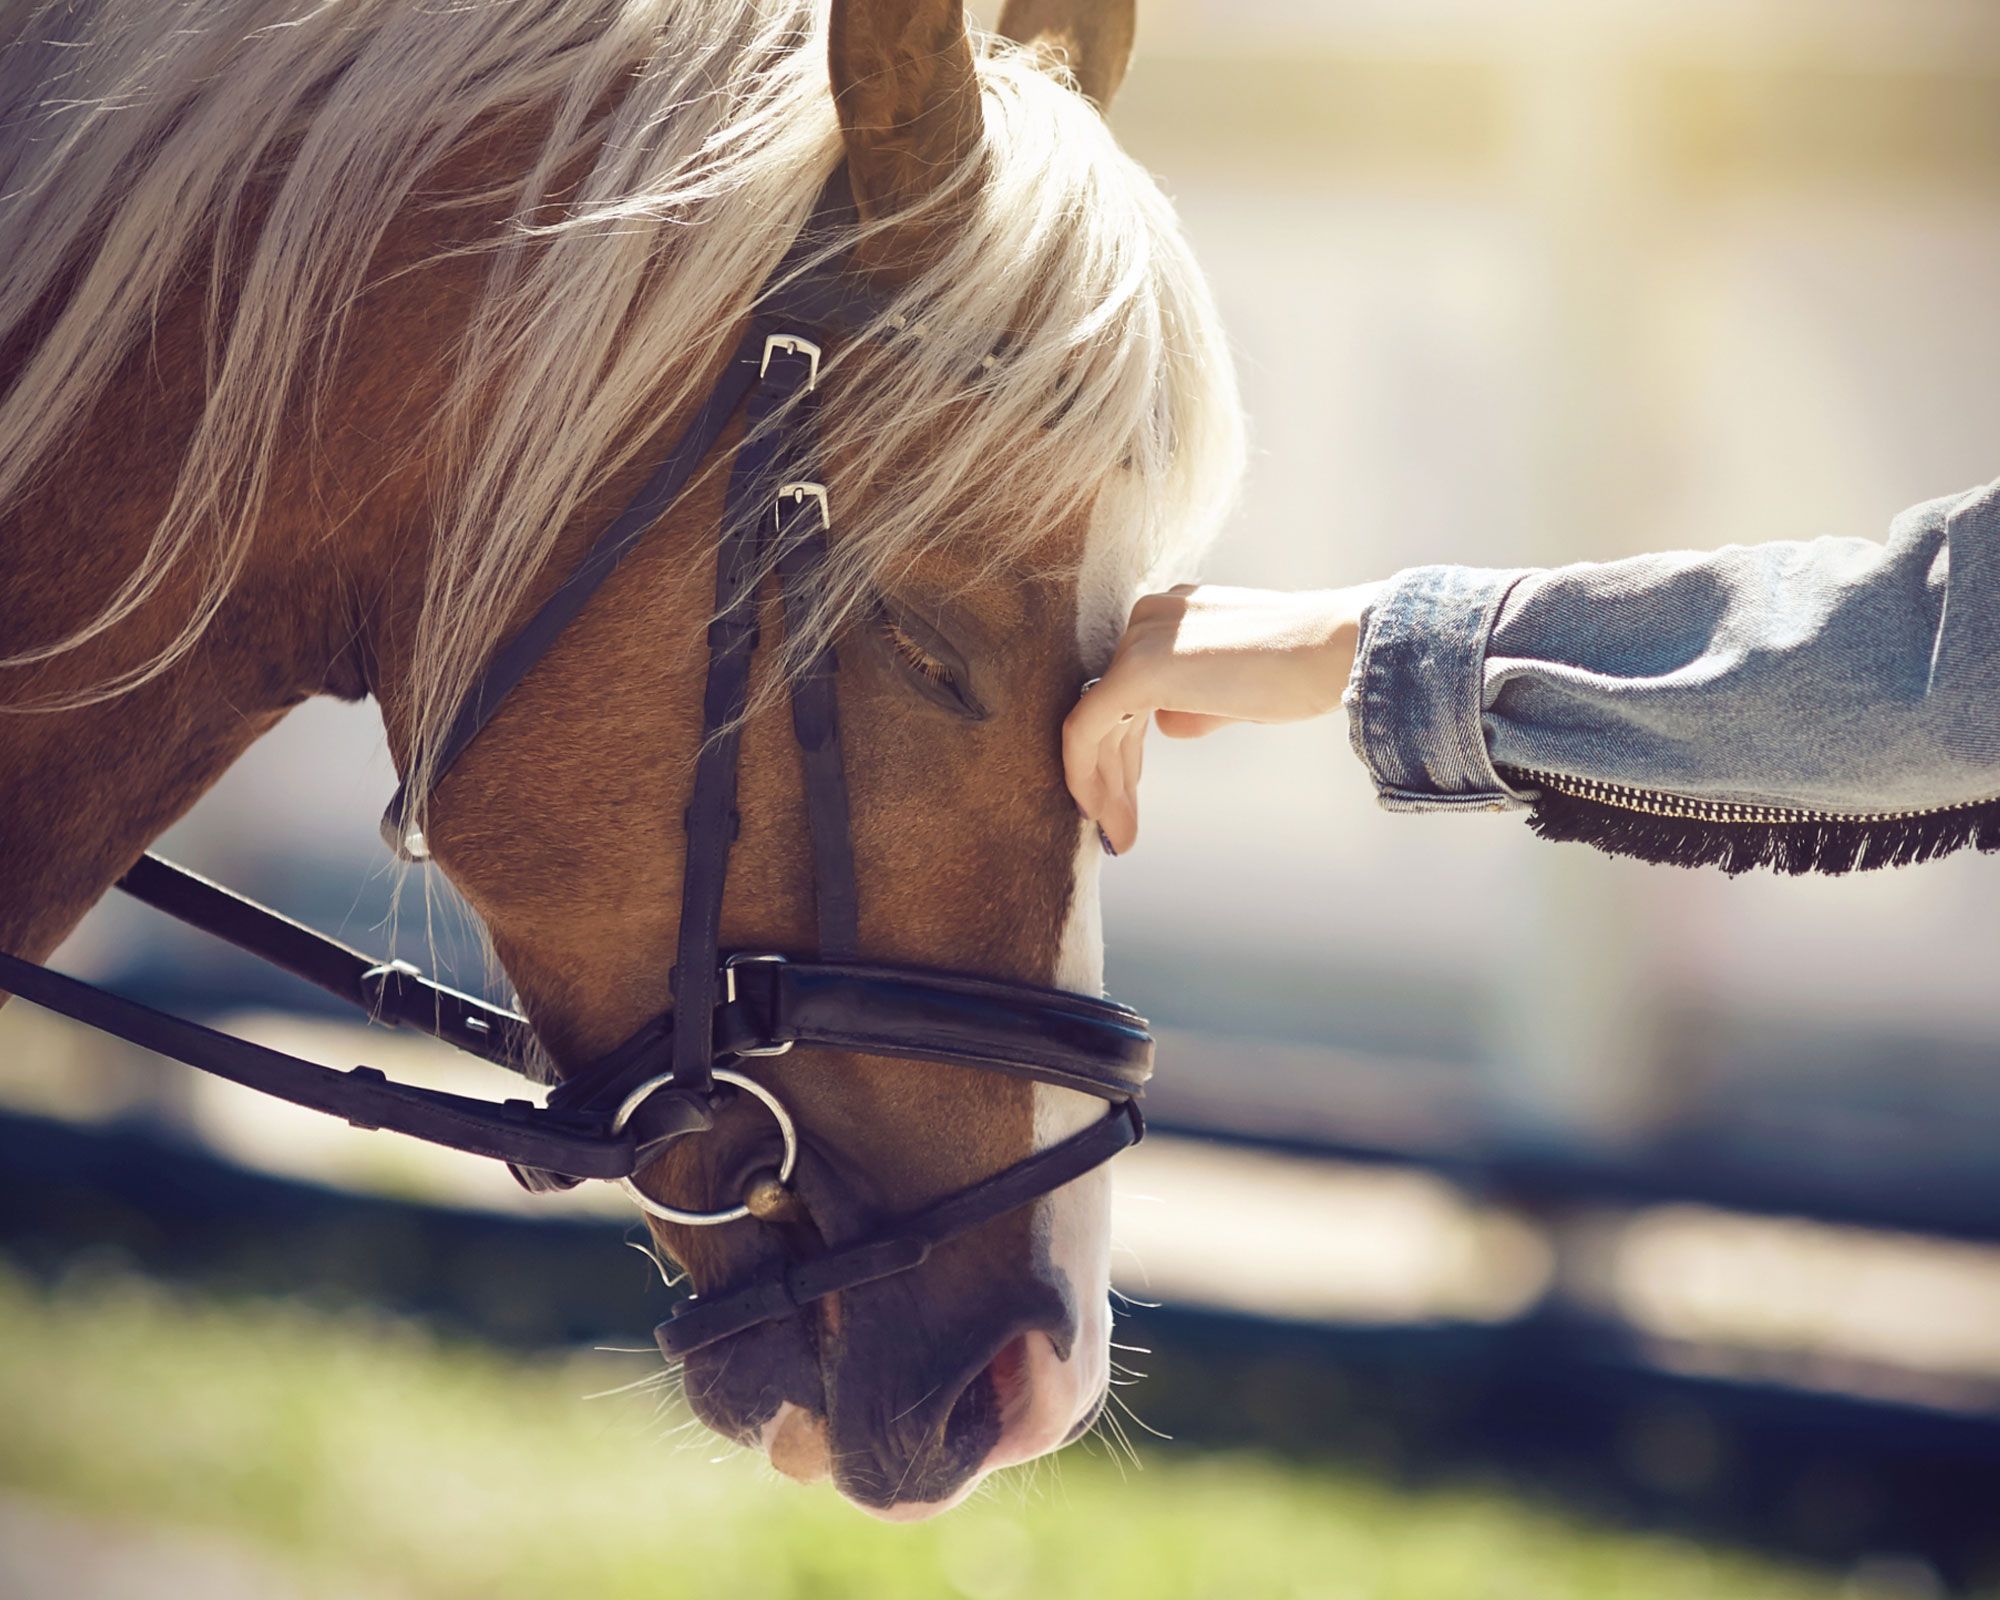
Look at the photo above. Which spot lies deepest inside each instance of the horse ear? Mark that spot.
(907, 97)
(1094, 37)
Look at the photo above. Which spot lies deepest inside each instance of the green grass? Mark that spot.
(377, 1455)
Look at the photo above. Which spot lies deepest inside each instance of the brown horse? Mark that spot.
(333, 330)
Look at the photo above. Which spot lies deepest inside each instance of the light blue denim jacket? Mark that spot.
(1838, 675)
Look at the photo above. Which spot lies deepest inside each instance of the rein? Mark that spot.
(667, 1081)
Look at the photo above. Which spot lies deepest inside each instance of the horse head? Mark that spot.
(1036, 416)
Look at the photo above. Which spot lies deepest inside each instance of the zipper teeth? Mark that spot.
(1687, 808)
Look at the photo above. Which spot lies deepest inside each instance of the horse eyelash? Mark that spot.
(915, 656)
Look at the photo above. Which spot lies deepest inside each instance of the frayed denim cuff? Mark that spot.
(1415, 702)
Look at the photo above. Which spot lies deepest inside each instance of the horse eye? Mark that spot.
(923, 660)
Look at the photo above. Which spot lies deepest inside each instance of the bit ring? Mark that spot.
(708, 1219)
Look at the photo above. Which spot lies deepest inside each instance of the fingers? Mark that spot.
(1109, 706)
(1117, 818)
(1119, 761)
(1104, 736)
(1131, 759)
(1167, 607)
(1196, 658)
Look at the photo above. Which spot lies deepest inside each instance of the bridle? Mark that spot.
(667, 1081)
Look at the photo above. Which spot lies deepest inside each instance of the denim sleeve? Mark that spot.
(1839, 674)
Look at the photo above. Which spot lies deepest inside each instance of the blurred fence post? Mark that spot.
(1575, 1053)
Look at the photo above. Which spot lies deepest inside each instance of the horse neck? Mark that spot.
(327, 598)
(83, 791)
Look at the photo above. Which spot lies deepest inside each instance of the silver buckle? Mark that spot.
(729, 989)
(802, 491)
(792, 344)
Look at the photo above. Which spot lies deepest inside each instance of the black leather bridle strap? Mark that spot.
(524, 650)
(783, 380)
(513, 1130)
(392, 991)
(816, 728)
(803, 290)
(902, 1244)
(1049, 1035)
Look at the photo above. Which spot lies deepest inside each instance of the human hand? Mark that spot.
(1198, 658)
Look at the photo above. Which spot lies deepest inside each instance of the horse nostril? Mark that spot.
(1014, 1406)
(1008, 1373)
(997, 1393)
(978, 1416)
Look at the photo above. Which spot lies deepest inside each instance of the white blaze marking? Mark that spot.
(1076, 1219)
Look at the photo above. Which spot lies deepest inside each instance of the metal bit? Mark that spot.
(769, 1200)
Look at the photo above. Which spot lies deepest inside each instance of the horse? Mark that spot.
(332, 331)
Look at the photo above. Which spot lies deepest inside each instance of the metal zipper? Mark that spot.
(1686, 808)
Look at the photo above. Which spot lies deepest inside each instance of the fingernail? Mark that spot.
(1104, 839)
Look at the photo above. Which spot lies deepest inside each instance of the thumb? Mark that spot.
(1189, 724)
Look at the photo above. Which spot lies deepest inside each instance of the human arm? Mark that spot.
(1838, 676)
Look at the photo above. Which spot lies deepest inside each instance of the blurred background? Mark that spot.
(1522, 1222)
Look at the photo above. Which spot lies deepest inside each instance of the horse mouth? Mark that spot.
(795, 1443)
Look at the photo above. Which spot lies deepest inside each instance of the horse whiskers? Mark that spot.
(1101, 1435)
(685, 1435)
(1116, 1431)
(917, 1455)
(1020, 1479)
(1125, 1406)
(651, 1252)
(1029, 1477)
(668, 1405)
(651, 1380)
(933, 1389)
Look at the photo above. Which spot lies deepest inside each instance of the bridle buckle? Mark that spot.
(729, 998)
(791, 344)
(797, 493)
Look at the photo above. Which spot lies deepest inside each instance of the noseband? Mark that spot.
(667, 1082)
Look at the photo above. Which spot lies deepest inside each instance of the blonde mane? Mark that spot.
(132, 132)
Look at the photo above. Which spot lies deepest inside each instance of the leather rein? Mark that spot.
(666, 1082)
